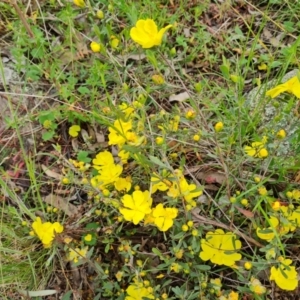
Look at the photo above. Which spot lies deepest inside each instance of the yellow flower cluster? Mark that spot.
(138, 291)
(137, 207)
(294, 194)
(108, 171)
(122, 133)
(77, 253)
(257, 149)
(285, 276)
(256, 287)
(163, 217)
(221, 294)
(80, 165)
(176, 186)
(290, 221)
(46, 231)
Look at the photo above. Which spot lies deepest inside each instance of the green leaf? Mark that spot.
(48, 135)
(225, 71)
(275, 64)
(83, 156)
(107, 247)
(46, 116)
(84, 90)
(156, 251)
(158, 162)
(93, 225)
(67, 295)
(202, 267)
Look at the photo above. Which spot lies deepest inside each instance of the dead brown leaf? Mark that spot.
(247, 213)
(61, 203)
(211, 177)
(51, 173)
(179, 97)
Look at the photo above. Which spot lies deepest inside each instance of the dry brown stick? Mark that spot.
(203, 220)
(22, 18)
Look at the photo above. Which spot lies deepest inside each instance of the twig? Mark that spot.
(22, 18)
(203, 220)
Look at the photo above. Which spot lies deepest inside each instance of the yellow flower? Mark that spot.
(188, 191)
(219, 126)
(294, 194)
(119, 275)
(133, 139)
(256, 149)
(100, 14)
(163, 217)
(123, 184)
(79, 3)
(244, 202)
(281, 134)
(268, 233)
(194, 232)
(110, 174)
(262, 191)
(271, 254)
(248, 265)
(47, 124)
(276, 205)
(158, 79)
(146, 34)
(285, 276)
(68, 240)
(118, 133)
(190, 114)
(233, 296)
(126, 109)
(262, 67)
(65, 180)
(257, 287)
(196, 137)
(103, 159)
(88, 237)
(46, 231)
(107, 175)
(220, 248)
(95, 47)
(291, 86)
(160, 183)
(184, 227)
(257, 179)
(136, 206)
(74, 130)
(137, 291)
(294, 218)
(217, 285)
(75, 254)
(175, 267)
(159, 140)
(124, 155)
(164, 296)
(114, 43)
(174, 123)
